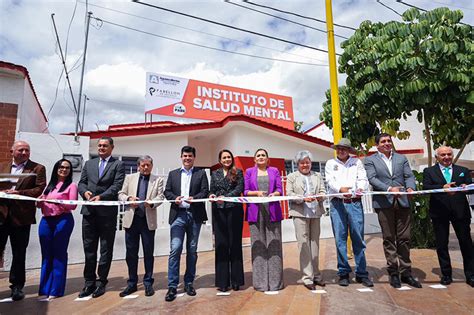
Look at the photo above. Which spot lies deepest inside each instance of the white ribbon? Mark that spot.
(243, 199)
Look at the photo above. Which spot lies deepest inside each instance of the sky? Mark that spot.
(117, 58)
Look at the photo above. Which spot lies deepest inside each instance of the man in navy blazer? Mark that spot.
(450, 207)
(186, 217)
(389, 171)
(101, 180)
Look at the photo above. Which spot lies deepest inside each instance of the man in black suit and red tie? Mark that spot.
(450, 207)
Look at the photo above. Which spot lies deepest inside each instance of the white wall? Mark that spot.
(247, 140)
(16, 89)
(11, 89)
(31, 117)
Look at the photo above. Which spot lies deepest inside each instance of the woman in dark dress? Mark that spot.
(228, 181)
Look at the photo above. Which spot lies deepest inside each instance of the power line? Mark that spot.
(421, 9)
(296, 14)
(229, 26)
(386, 6)
(202, 32)
(208, 47)
(282, 18)
(68, 30)
(452, 5)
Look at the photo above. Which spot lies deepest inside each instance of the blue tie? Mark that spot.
(447, 175)
(101, 167)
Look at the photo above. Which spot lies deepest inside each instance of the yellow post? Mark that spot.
(336, 111)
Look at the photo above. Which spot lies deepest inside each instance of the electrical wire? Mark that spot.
(208, 47)
(424, 10)
(386, 6)
(282, 18)
(296, 14)
(228, 26)
(68, 30)
(202, 32)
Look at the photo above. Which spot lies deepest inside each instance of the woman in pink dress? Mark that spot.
(55, 230)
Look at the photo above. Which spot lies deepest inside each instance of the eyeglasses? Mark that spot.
(64, 168)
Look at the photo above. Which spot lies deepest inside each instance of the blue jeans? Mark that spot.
(344, 217)
(54, 234)
(184, 224)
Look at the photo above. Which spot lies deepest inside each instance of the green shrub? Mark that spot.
(422, 235)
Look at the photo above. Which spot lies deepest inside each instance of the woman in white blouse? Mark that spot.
(306, 213)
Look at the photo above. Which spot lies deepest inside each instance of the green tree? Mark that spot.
(422, 65)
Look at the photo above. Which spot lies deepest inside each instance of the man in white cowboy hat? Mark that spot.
(346, 174)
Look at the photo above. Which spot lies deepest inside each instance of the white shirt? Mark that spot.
(387, 161)
(18, 169)
(106, 160)
(309, 207)
(185, 185)
(350, 174)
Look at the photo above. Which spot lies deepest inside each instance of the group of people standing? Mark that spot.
(103, 179)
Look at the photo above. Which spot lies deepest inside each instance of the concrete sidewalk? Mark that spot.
(458, 298)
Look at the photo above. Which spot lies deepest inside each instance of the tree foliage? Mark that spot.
(422, 65)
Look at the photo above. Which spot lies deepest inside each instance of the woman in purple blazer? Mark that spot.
(265, 224)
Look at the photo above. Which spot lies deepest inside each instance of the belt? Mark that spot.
(350, 200)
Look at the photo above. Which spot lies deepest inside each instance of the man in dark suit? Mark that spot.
(389, 171)
(101, 179)
(450, 207)
(17, 216)
(186, 217)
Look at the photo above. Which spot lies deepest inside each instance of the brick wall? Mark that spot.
(8, 115)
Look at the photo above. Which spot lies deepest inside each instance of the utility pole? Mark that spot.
(336, 110)
(84, 112)
(82, 74)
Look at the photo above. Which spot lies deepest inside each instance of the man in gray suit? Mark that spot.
(390, 171)
(101, 180)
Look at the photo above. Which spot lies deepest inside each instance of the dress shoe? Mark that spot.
(310, 287)
(17, 294)
(395, 281)
(99, 291)
(365, 281)
(411, 281)
(446, 280)
(149, 291)
(344, 281)
(86, 291)
(171, 294)
(470, 281)
(321, 283)
(223, 289)
(235, 287)
(128, 290)
(189, 289)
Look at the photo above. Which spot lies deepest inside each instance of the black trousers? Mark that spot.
(462, 229)
(228, 223)
(97, 229)
(139, 229)
(19, 239)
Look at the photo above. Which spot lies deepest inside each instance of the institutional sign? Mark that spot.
(173, 96)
